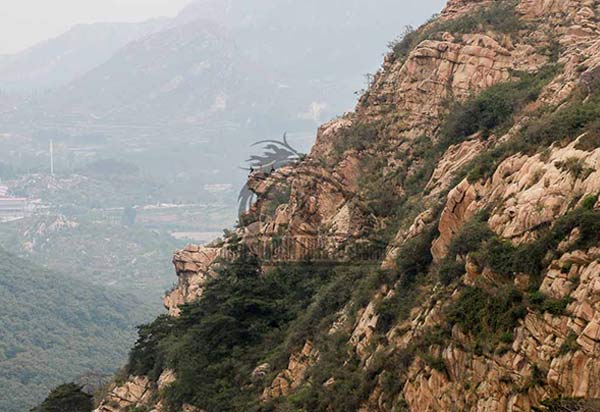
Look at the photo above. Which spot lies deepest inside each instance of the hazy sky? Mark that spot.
(26, 22)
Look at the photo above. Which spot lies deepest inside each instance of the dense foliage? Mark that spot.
(66, 398)
(54, 328)
(488, 315)
(216, 342)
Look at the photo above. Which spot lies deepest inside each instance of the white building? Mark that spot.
(11, 207)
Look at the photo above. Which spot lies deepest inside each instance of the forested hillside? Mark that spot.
(54, 328)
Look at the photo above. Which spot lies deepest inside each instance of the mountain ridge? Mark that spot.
(58, 61)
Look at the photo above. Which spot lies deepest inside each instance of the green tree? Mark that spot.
(66, 398)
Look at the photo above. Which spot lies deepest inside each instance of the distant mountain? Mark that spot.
(185, 74)
(319, 49)
(235, 61)
(54, 328)
(60, 60)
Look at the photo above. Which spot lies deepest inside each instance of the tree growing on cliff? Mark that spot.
(69, 397)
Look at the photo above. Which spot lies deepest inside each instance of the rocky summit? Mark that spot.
(438, 249)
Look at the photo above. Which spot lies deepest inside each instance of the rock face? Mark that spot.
(194, 267)
(437, 70)
(323, 204)
(134, 392)
(529, 191)
(139, 392)
(292, 377)
(538, 341)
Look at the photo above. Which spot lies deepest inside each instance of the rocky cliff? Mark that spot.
(458, 206)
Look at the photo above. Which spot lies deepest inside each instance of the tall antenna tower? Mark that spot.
(51, 157)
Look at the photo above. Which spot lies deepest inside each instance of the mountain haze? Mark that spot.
(60, 60)
(281, 60)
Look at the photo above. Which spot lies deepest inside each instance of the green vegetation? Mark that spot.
(247, 317)
(493, 111)
(542, 303)
(348, 388)
(567, 123)
(495, 106)
(54, 328)
(506, 259)
(500, 17)
(378, 191)
(488, 112)
(570, 344)
(415, 256)
(413, 263)
(132, 259)
(348, 284)
(576, 167)
(66, 398)
(406, 42)
(591, 140)
(357, 136)
(471, 237)
(488, 315)
(395, 308)
(574, 118)
(216, 342)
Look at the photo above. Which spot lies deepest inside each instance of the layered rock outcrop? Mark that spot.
(195, 267)
(524, 194)
(293, 376)
(487, 383)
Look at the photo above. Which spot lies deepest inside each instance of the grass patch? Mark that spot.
(566, 124)
(576, 167)
(570, 344)
(358, 136)
(491, 314)
(488, 315)
(506, 259)
(543, 304)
